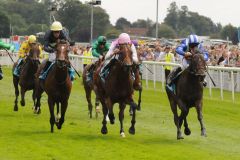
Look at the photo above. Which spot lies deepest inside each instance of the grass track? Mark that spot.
(24, 135)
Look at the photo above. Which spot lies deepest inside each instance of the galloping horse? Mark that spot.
(57, 85)
(27, 75)
(189, 93)
(117, 88)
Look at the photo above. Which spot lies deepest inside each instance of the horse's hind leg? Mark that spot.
(121, 118)
(200, 118)
(139, 99)
(23, 90)
(51, 109)
(15, 82)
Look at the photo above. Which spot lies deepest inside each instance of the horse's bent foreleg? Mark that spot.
(109, 105)
(37, 98)
(88, 97)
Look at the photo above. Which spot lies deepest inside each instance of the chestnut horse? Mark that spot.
(57, 85)
(117, 88)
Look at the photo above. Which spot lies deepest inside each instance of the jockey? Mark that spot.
(54, 35)
(123, 38)
(5, 46)
(99, 48)
(23, 52)
(184, 51)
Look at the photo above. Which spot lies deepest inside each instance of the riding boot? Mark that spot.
(1, 73)
(106, 68)
(71, 72)
(18, 67)
(43, 73)
(172, 77)
(137, 82)
(90, 73)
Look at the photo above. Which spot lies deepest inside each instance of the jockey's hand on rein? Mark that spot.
(187, 55)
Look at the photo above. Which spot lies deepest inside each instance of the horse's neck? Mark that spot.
(189, 79)
(60, 74)
(120, 75)
(30, 68)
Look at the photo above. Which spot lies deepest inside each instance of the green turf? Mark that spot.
(24, 135)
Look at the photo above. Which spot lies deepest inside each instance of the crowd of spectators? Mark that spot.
(219, 54)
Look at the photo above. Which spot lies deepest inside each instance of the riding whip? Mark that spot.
(9, 55)
(211, 77)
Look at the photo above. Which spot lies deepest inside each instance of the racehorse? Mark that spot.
(27, 75)
(189, 93)
(117, 88)
(57, 85)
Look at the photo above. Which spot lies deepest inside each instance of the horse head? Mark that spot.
(62, 50)
(197, 65)
(34, 53)
(125, 55)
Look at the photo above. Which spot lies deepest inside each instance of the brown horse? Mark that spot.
(26, 78)
(57, 85)
(189, 93)
(117, 88)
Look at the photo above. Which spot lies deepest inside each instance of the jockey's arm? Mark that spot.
(205, 53)
(181, 49)
(110, 52)
(46, 45)
(23, 51)
(134, 52)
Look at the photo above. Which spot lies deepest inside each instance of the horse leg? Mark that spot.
(23, 90)
(104, 122)
(133, 121)
(51, 109)
(200, 118)
(139, 99)
(58, 114)
(15, 82)
(187, 131)
(121, 117)
(88, 97)
(176, 118)
(109, 104)
(63, 111)
(97, 105)
(38, 93)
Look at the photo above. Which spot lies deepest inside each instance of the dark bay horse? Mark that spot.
(89, 87)
(189, 93)
(27, 75)
(57, 85)
(117, 88)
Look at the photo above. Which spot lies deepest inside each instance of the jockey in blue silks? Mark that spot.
(183, 50)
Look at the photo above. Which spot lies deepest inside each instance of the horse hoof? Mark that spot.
(203, 133)
(104, 130)
(180, 137)
(39, 111)
(131, 112)
(131, 130)
(22, 103)
(187, 131)
(15, 108)
(122, 134)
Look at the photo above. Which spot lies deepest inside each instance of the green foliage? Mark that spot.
(122, 23)
(5, 24)
(164, 31)
(112, 33)
(230, 32)
(27, 136)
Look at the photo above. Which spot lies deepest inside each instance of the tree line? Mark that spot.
(24, 17)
